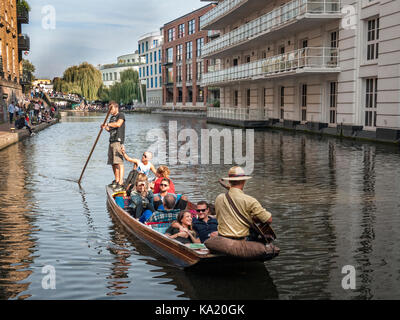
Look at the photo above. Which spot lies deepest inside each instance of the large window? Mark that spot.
(179, 73)
(200, 44)
(192, 26)
(333, 92)
(181, 30)
(170, 75)
(189, 50)
(282, 103)
(189, 72)
(171, 34)
(371, 97)
(199, 71)
(303, 102)
(373, 39)
(179, 52)
(170, 55)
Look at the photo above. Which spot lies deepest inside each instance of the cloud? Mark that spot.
(95, 31)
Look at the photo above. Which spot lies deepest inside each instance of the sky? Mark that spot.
(65, 33)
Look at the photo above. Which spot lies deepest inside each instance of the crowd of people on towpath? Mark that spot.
(152, 198)
(29, 112)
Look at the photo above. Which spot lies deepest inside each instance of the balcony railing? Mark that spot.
(238, 113)
(219, 11)
(270, 21)
(24, 43)
(306, 59)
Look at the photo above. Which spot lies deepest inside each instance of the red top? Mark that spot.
(157, 186)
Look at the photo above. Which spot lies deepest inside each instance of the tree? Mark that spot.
(84, 80)
(28, 70)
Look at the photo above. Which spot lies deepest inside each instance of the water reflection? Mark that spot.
(17, 243)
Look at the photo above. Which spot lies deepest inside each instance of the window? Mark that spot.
(155, 69)
(171, 34)
(179, 73)
(200, 44)
(155, 82)
(199, 71)
(373, 39)
(155, 56)
(179, 52)
(147, 71)
(147, 46)
(334, 39)
(333, 102)
(181, 30)
(282, 102)
(192, 26)
(371, 97)
(169, 54)
(248, 97)
(189, 48)
(303, 102)
(304, 43)
(189, 72)
(236, 98)
(151, 70)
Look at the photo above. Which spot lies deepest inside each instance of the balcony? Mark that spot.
(1, 68)
(306, 60)
(294, 17)
(229, 11)
(24, 43)
(22, 15)
(238, 113)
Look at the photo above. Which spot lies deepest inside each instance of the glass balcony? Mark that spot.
(222, 8)
(313, 60)
(273, 20)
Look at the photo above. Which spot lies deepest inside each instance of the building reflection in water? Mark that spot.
(17, 243)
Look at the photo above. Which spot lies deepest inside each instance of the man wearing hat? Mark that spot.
(230, 224)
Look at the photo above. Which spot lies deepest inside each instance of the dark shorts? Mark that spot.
(115, 154)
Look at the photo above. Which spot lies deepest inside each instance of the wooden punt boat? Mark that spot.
(179, 254)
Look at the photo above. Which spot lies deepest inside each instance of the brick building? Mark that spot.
(183, 66)
(12, 45)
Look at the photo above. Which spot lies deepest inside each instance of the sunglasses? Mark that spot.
(201, 210)
(164, 185)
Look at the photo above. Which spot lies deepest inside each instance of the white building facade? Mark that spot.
(111, 73)
(150, 73)
(324, 65)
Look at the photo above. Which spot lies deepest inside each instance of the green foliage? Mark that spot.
(23, 5)
(84, 80)
(125, 91)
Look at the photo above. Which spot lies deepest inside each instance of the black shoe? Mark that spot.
(113, 184)
(119, 188)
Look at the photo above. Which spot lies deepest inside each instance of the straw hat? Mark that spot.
(236, 174)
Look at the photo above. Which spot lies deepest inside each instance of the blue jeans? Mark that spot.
(137, 204)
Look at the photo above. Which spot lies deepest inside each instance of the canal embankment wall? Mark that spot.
(8, 138)
(381, 135)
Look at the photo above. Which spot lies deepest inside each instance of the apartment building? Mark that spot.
(329, 66)
(12, 45)
(111, 73)
(150, 73)
(183, 65)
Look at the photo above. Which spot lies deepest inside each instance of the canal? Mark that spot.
(334, 204)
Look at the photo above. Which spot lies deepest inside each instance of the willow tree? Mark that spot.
(84, 80)
(125, 91)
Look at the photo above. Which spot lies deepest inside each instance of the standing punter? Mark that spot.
(116, 128)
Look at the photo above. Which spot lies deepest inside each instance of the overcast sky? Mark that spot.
(96, 31)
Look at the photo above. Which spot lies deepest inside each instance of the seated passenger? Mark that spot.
(142, 166)
(184, 233)
(142, 199)
(163, 172)
(180, 200)
(204, 225)
(168, 213)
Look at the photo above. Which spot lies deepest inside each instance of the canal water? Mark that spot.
(334, 204)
